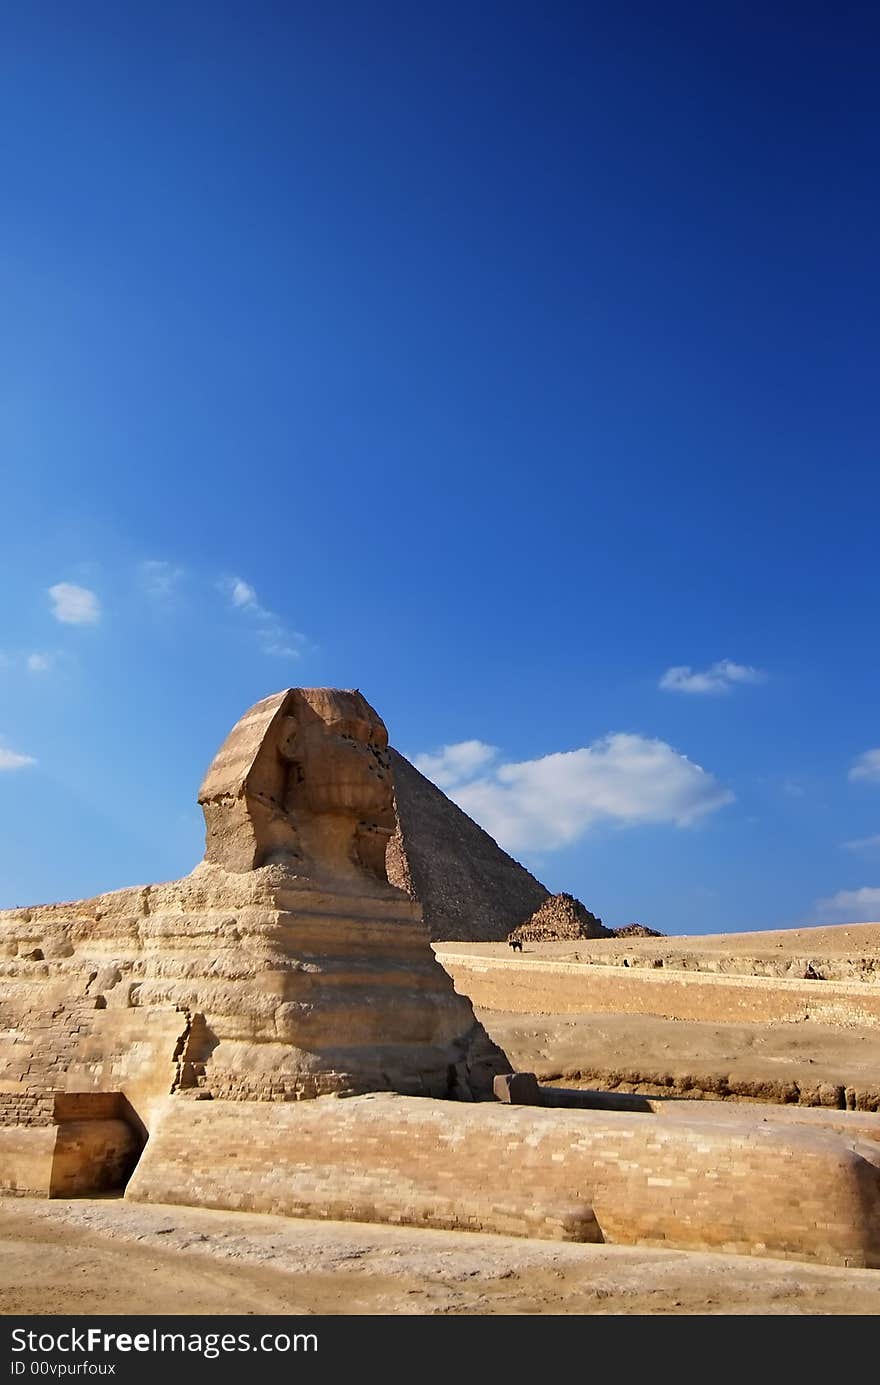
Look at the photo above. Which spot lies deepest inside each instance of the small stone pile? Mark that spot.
(560, 919)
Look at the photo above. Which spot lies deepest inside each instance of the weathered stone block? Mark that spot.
(521, 1088)
(737, 1185)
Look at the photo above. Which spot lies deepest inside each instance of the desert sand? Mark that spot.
(652, 1056)
(856, 945)
(89, 1256)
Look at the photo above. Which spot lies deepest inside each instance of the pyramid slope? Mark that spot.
(469, 889)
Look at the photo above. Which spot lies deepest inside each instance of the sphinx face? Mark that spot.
(303, 778)
(338, 766)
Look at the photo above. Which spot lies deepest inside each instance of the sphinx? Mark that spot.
(284, 967)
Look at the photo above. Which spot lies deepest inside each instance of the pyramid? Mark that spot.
(561, 918)
(469, 889)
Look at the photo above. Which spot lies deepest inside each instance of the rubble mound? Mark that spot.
(561, 918)
(636, 930)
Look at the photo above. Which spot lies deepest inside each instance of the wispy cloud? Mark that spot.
(550, 802)
(453, 764)
(158, 578)
(242, 594)
(717, 678)
(867, 766)
(273, 636)
(863, 843)
(13, 759)
(851, 906)
(74, 605)
(792, 788)
(37, 662)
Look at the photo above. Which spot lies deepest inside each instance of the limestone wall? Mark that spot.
(89, 1147)
(839, 952)
(26, 1154)
(92, 1156)
(853, 1126)
(42, 1023)
(752, 1187)
(536, 986)
(132, 1052)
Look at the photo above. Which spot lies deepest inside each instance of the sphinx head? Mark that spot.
(337, 750)
(304, 778)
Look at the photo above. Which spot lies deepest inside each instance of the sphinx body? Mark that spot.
(284, 967)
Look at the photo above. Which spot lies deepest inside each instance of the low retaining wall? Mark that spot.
(26, 1154)
(535, 986)
(751, 1188)
(851, 1125)
(89, 1147)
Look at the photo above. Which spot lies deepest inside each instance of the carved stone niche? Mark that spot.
(303, 779)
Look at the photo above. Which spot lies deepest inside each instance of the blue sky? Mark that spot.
(494, 359)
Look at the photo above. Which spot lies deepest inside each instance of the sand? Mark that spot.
(846, 939)
(106, 1256)
(809, 1063)
(804, 1061)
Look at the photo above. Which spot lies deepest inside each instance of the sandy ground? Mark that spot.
(844, 939)
(843, 952)
(803, 1062)
(652, 1055)
(91, 1256)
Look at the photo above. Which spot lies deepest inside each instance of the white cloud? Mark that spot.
(453, 764)
(159, 578)
(867, 766)
(544, 804)
(34, 663)
(274, 636)
(851, 906)
(717, 678)
(11, 759)
(242, 596)
(242, 593)
(281, 646)
(74, 605)
(864, 843)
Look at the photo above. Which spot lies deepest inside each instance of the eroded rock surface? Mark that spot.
(561, 918)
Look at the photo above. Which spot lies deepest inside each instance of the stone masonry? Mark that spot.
(739, 1186)
(544, 985)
